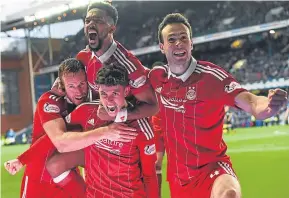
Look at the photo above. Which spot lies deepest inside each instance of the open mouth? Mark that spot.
(111, 109)
(92, 35)
(181, 53)
(79, 98)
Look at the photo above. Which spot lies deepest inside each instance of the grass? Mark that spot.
(260, 157)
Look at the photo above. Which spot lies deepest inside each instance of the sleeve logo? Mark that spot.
(232, 86)
(138, 82)
(150, 149)
(51, 108)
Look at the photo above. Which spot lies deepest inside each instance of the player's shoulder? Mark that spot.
(211, 70)
(50, 97)
(88, 106)
(158, 71)
(50, 103)
(120, 49)
(85, 50)
(144, 128)
(83, 54)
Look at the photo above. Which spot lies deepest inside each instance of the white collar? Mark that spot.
(187, 73)
(104, 57)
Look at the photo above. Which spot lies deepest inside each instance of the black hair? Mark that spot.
(110, 10)
(112, 75)
(173, 18)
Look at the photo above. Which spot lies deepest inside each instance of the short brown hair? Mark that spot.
(70, 65)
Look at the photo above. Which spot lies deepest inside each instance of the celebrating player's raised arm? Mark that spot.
(262, 107)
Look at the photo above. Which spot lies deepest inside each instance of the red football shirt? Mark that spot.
(192, 113)
(49, 107)
(41, 142)
(118, 55)
(114, 169)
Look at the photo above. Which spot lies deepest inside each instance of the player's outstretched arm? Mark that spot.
(262, 107)
(72, 141)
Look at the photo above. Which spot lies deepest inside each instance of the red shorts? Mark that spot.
(34, 189)
(201, 185)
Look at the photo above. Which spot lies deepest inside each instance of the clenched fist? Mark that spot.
(13, 166)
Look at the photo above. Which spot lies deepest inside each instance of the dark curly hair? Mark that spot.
(112, 75)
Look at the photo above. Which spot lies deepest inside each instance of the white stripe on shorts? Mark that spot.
(25, 187)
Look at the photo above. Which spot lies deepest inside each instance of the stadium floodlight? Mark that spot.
(29, 18)
(50, 12)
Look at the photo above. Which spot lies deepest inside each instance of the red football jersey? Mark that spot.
(157, 128)
(118, 55)
(41, 142)
(49, 107)
(113, 168)
(192, 113)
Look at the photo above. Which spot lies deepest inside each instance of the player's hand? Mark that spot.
(277, 99)
(119, 132)
(13, 166)
(103, 115)
(57, 89)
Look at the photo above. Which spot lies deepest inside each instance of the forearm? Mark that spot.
(73, 141)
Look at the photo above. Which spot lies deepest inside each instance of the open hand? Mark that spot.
(120, 132)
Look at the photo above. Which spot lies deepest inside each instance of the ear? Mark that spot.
(162, 48)
(112, 29)
(126, 91)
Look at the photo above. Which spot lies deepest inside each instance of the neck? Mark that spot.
(179, 69)
(105, 46)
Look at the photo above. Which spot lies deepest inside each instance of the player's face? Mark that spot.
(76, 87)
(113, 98)
(97, 28)
(177, 44)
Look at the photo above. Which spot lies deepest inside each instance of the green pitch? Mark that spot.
(260, 157)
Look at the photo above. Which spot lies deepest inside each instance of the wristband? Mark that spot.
(121, 115)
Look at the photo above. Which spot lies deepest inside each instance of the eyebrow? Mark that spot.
(175, 34)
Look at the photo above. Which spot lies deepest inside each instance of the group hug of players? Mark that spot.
(112, 116)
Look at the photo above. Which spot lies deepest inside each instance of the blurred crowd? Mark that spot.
(258, 57)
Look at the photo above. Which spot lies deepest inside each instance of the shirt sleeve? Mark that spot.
(47, 109)
(137, 75)
(147, 149)
(158, 132)
(230, 88)
(38, 150)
